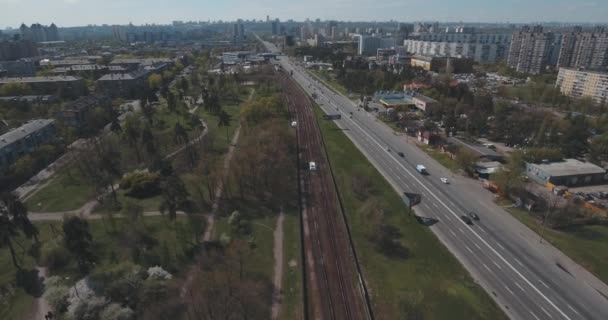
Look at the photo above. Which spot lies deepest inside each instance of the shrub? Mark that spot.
(114, 311)
(141, 184)
(158, 273)
(57, 297)
(55, 256)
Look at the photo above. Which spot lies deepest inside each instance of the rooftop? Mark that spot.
(479, 149)
(39, 79)
(23, 131)
(569, 167)
(141, 61)
(123, 76)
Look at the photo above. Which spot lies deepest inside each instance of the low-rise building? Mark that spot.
(480, 151)
(443, 64)
(401, 100)
(74, 113)
(19, 68)
(23, 140)
(41, 99)
(578, 83)
(570, 172)
(126, 85)
(62, 86)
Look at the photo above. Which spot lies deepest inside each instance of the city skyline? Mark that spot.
(62, 12)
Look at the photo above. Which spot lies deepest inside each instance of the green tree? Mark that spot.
(15, 89)
(466, 159)
(223, 120)
(79, 241)
(155, 80)
(599, 148)
(574, 140)
(132, 134)
(174, 195)
(13, 223)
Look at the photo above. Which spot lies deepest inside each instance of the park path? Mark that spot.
(220, 187)
(40, 306)
(277, 250)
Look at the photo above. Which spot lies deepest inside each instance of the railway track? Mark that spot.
(332, 283)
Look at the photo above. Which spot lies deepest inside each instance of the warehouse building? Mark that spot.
(570, 172)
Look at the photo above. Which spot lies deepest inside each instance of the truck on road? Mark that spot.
(421, 169)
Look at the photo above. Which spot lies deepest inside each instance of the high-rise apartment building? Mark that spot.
(584, 49)
(578, 83)
(275, 27)
(480, 47)
(532, 50)
(15, 50)
(39, 33)
(368, 44)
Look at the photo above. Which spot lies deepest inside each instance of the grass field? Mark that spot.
(261, 259)
(326, 78)
(67, 191)
(587, 245)
(292, 269)
(442, 158)
(430, 283)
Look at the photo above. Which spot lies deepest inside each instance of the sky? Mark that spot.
(82, 12)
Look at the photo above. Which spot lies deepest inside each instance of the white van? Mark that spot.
(312, 166)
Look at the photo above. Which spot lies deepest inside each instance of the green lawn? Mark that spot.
(430, 283)
(220, 141)
(67, 191)
(587, 245)
(328, 80)
(440, 157)
(292, 269)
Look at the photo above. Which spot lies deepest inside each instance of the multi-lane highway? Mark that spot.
(528, 278)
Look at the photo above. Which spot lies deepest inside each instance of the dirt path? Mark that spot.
(40, 307)
(220, 187)
(277, 250)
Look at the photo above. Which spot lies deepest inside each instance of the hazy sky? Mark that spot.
(82, 12)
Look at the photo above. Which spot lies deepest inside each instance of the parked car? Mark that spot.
(401, 154)
(466, 219)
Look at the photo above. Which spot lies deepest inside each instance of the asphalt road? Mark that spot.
(527, 278)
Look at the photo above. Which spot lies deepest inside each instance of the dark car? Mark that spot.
(473, 215)
(401, 154)
(466, 219)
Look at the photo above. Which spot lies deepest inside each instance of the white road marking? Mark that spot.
(520, 288)
(496, 264)
(486, 266)
(460, 229)
(535, 317)
(500, 245)
(482, 230)
(476, 245)
(415, 178)
(519, 262)
(508, 289)
(469, 249)
(545, 311)
(452, 232)
(569, 306)
(544, 284)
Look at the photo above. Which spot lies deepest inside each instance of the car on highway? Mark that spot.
(466, 219)
(401, 154)
(473, 215)
(444, 180)
(388, 149)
